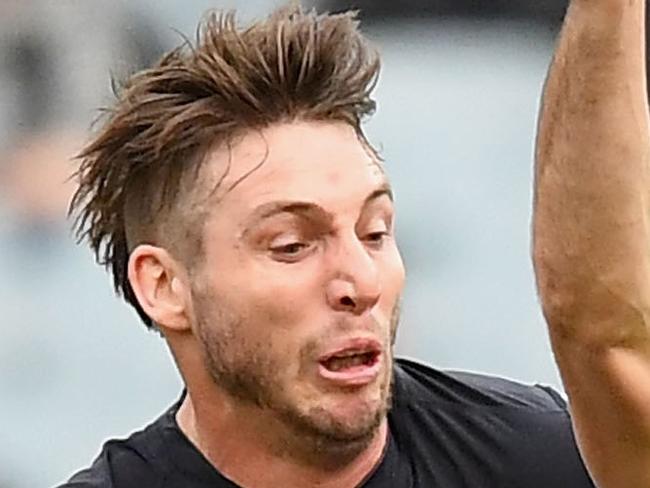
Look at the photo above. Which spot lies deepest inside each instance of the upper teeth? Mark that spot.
(338, 363)
(348, 354)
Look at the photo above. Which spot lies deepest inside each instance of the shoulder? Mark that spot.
(423, 384)
(132, 462)
(516, 431)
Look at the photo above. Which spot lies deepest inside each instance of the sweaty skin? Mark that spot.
(591, 237)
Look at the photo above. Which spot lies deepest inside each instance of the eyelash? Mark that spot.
(293, 251)
(287, 248)
(288, 252)
(377, 239)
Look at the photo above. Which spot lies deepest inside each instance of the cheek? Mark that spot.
(278, 307)
(269, 291)
(276, 312)
(285, 293)
(393, 274)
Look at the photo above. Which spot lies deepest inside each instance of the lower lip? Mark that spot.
(355, 376)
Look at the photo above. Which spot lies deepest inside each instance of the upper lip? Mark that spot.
(355, 345)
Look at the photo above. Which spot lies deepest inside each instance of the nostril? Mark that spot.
(347, 301)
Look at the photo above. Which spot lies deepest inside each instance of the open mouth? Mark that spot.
(354, 365)
(350, 359)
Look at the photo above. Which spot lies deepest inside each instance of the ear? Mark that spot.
(160, 285)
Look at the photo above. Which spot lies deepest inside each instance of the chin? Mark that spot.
(335, 427)
(349, 416)
(359, 424)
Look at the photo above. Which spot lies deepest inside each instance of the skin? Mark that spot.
(591, 233)
(297, 256)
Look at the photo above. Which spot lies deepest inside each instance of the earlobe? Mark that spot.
(157, 281)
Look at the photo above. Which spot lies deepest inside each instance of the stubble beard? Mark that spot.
(247, 372)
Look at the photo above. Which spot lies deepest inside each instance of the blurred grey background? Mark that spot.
(457, 103)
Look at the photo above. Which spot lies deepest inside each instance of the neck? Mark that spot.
(252, 448)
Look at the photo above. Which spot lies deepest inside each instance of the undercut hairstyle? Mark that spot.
(137, 177)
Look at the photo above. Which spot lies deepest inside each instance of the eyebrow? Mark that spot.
(384, 189)
(267, 210)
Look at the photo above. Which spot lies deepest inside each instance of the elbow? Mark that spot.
(595, 306)
(593, 315)
(557, 295)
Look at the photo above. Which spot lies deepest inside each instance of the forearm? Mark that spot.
(591, 235)
(590, 227)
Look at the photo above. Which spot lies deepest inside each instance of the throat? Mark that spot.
(263, 450)
(325, 463)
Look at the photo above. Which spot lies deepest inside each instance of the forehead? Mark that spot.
(324, 163)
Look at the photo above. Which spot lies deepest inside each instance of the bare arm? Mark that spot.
(592, 233)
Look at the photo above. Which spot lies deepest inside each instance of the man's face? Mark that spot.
(296, 298)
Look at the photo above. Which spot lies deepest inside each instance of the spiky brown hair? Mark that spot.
(291, 65)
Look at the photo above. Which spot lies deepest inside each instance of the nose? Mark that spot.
(355, 286)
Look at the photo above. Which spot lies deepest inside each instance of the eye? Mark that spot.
(290, 249)
(376, 239)
(290, 252)
(375, 230)
(376, 236)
